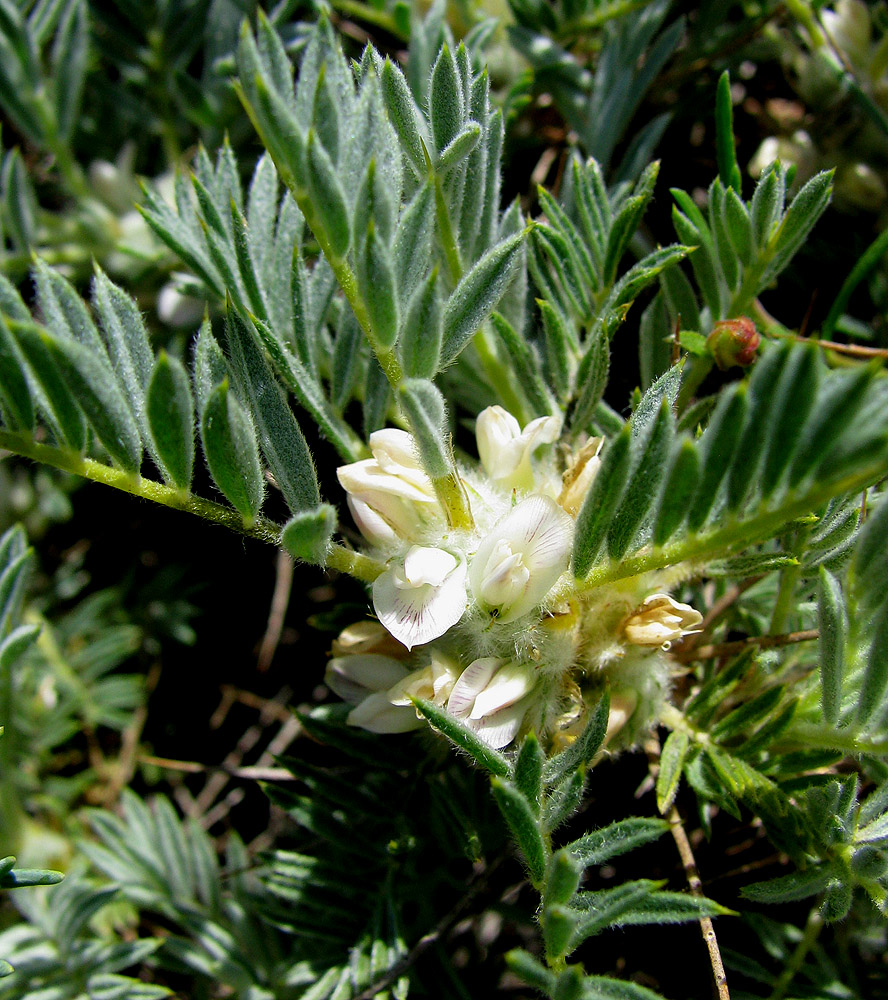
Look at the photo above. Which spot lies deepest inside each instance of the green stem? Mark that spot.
(129, 482)
(752, 279)
(789, 577)
(580, 26)
(68, 166)
(816, 738)
(694, 372)
(354, 563)
(345, 276)
(734, 535)
(802, 12)
(445, 230)
(262, 528)
(796, 960)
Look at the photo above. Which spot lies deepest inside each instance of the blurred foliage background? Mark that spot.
(170, 653)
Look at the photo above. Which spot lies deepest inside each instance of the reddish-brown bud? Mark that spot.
(734, 342)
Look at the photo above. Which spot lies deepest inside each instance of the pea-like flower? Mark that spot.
(506, 450)
(519, 562)
(390, 495)
(492, 696)
(659, 620)
(420, 597)
(363, 681)
(432, 683)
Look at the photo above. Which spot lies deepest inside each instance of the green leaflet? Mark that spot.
(170, 412)
(308, 534)
(477, 294)
(282, 441)
(519, 814)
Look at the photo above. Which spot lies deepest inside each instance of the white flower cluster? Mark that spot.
(495, 627)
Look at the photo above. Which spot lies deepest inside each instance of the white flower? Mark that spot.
(518, 563)
(363, 681)
(390, 495)
(492, 696)
(659, 620)
(367, 636)
(420, 597)
(432, 683)
(505, 450)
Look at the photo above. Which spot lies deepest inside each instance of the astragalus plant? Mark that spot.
(552, 577)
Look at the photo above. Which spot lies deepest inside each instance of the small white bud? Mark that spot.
(390, 495)
(659, 620)
(366, 636)
(363, 681)
(353, 678)
(579, 476)
(505, 450)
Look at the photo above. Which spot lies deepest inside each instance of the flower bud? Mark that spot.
(659, 620)
(505, 450)
(733, 342)
(623, 703)
(519, 562)
(492, 696)
(367, 637)
(850, 29)
(390, 495)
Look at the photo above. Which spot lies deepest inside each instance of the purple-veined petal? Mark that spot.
(416, 611)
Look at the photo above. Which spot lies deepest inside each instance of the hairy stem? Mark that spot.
(735, 535)
(131, 482)
(262, 528)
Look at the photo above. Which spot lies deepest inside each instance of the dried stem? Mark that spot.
(696, 886)
(730, 648)
(280, 599)
(253, 773)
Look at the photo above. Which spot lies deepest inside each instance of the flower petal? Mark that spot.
(471, 683)
(416, 614)
(510, 684)
(378, 715)
(499, 729)
(505, 450)
(351, 677)
(521, 559)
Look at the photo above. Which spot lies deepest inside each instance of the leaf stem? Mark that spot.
(734, 535)
(817, 738)
(354, 563)
(499, 376)
(262, 528)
